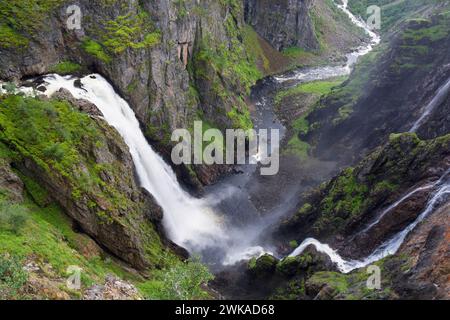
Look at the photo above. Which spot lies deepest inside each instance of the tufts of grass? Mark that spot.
(66, 67)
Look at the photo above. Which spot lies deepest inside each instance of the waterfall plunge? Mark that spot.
(189, 221)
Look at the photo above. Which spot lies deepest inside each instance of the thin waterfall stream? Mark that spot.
(437, 100)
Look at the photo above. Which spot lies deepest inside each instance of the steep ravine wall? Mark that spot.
(283, 23)
(149, 50)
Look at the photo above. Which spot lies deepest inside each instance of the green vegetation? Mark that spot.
(337, 281)
(55, 136)
(12, 277)
(254, 49)
(95, 49)
(231, 63)
(300, 126)
(240, 119)
(125, 31)
(344, 97)
(49, 132)
(183, 281)
(291, 266)
(21, 19)
(346, 198)
(297, 53)
(47, 235)
(262, 266)
(297, 148)
(319, 88)
(353, 286)
(393, 12)
(12, 217)
(293, 244)
(9, 38)
(301, 281)
(417, 40)
(66, 67)
(228, 69)
(294, 290)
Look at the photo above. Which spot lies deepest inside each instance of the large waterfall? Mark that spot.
(192, 222)
(189, 221)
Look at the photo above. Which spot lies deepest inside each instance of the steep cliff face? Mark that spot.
(147, 49)
(348, 202)
(341, 213)
(283, 23)
(393, 85)
(82, 164)
(300, 26)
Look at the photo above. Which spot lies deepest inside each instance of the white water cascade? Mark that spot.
(322, 73)
(438, 99)
(389, 247)
(395, 205)
(189, 221)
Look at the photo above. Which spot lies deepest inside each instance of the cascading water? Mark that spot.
(192, 222)
(438, 99)
(389, 247)
(189, 222)
(395, 205)
(322, 73)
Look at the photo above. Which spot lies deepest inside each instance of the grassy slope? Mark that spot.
(333, 30)
(52, 133)
(393, 12)
(305, 96)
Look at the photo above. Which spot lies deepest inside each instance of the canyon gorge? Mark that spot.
(87, 180)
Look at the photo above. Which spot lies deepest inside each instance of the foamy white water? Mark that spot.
(244, 254)
(389, 247)
(438, 99)
(395, 205)
(327, 72)
(189, 222)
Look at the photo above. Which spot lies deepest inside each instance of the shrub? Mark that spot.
(13, 217)
(65, 67)
(95, 49)
(183, 281)
(12, 277)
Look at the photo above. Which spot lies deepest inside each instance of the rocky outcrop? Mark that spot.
(340, 209)
(284, 23)
(113, 289)
(90, 176)
(148, 50)
(308, 25)
(10, 183)
(393, 85)
(428, 260)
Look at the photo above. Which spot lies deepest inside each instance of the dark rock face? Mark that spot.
(115, 211)
(424, 274)
(155, 79)
(283, 23)
(348, 203)
(10, 182)
(82, 105)
(386, 94)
